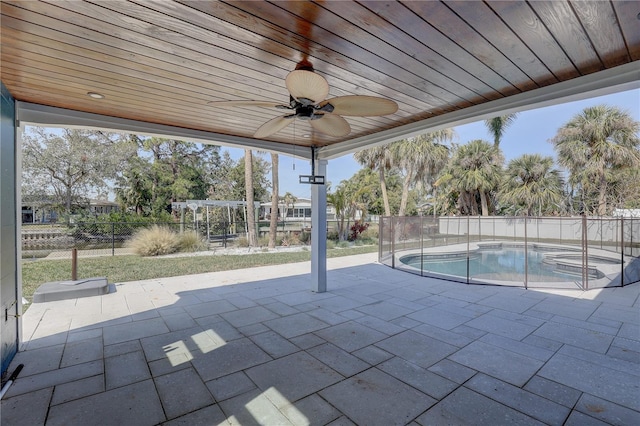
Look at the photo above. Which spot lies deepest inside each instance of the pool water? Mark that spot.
(505, 264)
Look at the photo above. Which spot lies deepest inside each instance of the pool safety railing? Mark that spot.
(573, 252)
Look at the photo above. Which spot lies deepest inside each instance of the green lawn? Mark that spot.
(119, 269)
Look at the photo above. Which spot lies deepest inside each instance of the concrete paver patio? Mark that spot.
(380, 347)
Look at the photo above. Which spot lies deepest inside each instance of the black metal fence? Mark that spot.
(556, 252)
(111, 238)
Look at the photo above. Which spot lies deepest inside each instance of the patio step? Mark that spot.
(61, 290)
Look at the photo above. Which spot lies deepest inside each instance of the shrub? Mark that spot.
(357, 228)
(290, 240)
(343, 244)
(154, 241)
(242, 242)
(305, 237)
(294, 239)
(366, 241)
(190, 241)
(331, 244)
(333, 236)
(372, 232)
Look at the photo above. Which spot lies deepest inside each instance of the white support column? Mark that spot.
(18, 159)
(319, 231)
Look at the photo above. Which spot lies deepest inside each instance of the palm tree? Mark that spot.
(593, 145)
(377, 158)
(339, 201)
(289, 200)
(533, 183)
(251, 218)
(498, 125)
(421, 159)
(475, 170)
(273, 220)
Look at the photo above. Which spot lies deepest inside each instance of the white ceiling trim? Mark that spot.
(618, 79)
(47, 116)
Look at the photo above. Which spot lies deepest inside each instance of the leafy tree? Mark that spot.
(338, 200)
(378, 158)
(166, 171)
(134, 186)
(369, 192)
(71, 165)
(621, 194)
(223, 185)
(498, 125)
(473, 172)
(446, 196)
(349, 198)
(595, 146)
(531, 183)
(229, 179)
(420, 159)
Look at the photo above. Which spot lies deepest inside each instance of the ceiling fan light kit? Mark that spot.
(307, 93)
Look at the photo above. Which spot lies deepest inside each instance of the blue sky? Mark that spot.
(529, 134)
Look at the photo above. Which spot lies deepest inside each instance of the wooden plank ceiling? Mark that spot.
(164, 61)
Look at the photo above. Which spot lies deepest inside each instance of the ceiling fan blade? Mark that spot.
(242, 103)
(361, 106)
(273, 126)
(307, 84)
(332, 125)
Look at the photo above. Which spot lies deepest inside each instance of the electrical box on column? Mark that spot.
(312, 179)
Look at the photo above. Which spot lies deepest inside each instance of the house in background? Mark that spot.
(44, 210)
(297, 211)
(97, 207)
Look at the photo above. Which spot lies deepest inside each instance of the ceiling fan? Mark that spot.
(307, 93)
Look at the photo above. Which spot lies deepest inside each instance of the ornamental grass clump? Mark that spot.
(190, 242)
(154, 241)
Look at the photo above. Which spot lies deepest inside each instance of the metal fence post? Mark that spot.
(526, 255)
(74, 264)
(468, 243)
(622, 251)
(113, 239)
(380, 238)
(585, 244)
(393, 245)
(422, 246)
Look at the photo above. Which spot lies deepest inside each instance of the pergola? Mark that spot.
(155, 67)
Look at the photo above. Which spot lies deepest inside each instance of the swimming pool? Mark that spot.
(506, 264)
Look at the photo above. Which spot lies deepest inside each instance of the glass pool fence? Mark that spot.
(530, 252)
